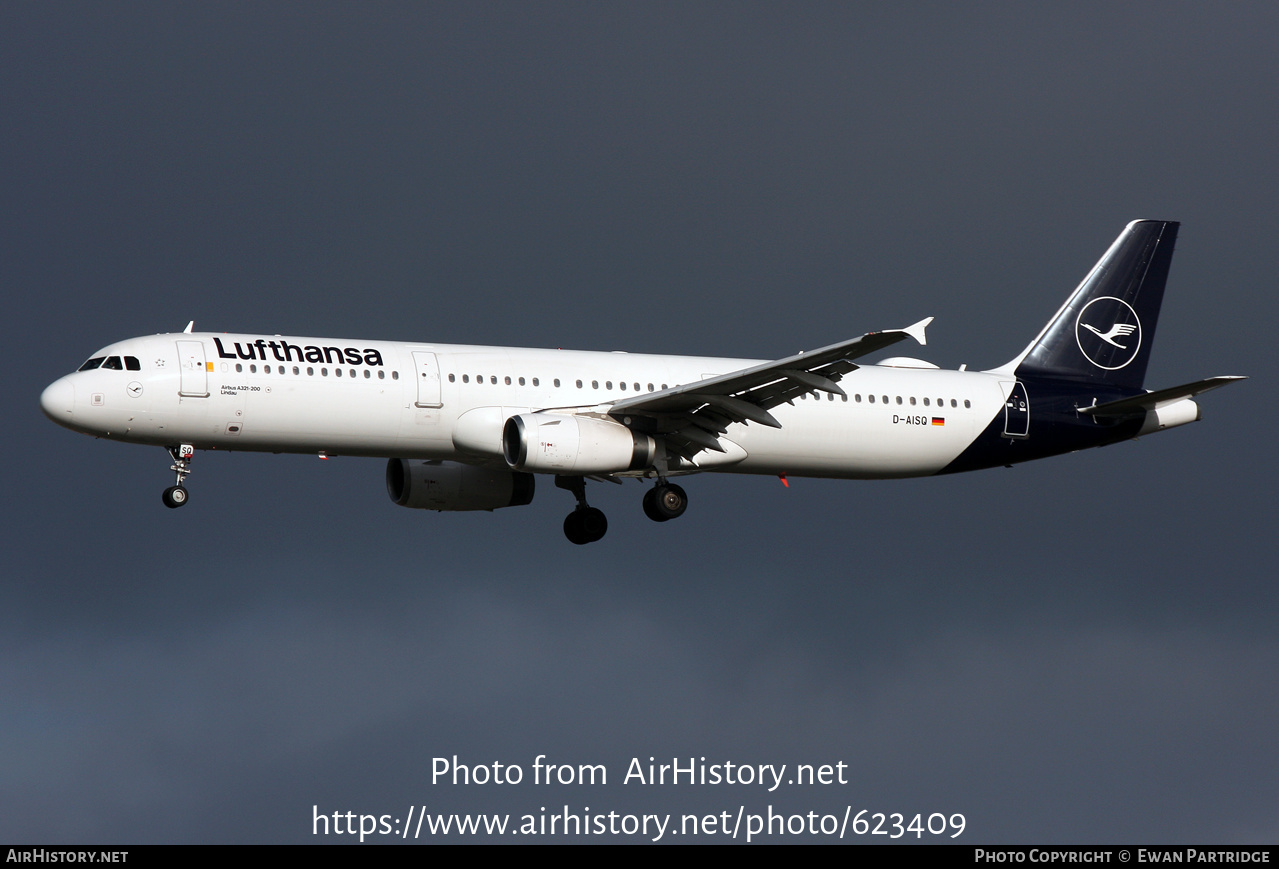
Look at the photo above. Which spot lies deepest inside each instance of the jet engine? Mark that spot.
(453, 486)
(564, 444)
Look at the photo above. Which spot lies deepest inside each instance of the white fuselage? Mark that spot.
(448, 402)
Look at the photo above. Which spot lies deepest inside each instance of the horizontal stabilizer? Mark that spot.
(1139, 404)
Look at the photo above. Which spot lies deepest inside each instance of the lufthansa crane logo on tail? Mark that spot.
(1108, 332)
(1118, 330)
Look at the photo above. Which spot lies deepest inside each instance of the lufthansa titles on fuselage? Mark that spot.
(284, 352)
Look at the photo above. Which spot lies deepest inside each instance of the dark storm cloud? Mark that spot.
(1078, 650)
(165, 739)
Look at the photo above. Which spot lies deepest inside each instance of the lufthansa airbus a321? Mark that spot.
(471, 427)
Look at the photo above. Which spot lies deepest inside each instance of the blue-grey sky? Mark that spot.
(1077, 650)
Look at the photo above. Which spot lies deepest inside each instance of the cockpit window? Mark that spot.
(93, 363)
(132, 364)
(114, 363)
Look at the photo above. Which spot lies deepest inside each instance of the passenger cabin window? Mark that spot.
(395, 375)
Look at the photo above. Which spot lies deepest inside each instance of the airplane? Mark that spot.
(470, 427)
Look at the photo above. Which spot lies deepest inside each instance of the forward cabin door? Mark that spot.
(195, 375)
(428, 379)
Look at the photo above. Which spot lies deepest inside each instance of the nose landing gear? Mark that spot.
(176, 496)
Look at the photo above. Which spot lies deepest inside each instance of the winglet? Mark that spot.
(190, 326)
(916, 330)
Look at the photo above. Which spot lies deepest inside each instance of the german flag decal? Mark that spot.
(939, 420)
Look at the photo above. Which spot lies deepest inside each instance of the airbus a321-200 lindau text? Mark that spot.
(472, 427)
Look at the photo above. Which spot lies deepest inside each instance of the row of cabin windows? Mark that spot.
(112, 363)
(941, 402)
(635, 387)
(595, 384)
(131, 363)
(310, 371)
(883, 399)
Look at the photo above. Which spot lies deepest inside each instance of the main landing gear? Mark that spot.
(586, 524)
(664, 502)
(176, 496)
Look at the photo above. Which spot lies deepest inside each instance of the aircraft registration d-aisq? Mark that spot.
(469, 427)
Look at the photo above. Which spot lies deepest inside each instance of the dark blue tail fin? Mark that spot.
(1104, 332)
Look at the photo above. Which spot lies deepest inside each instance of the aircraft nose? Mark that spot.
(58, 400)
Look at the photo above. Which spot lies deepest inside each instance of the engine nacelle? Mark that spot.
(565, 444)
(452, 486)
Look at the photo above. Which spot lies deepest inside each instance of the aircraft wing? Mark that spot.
(694, 415)
(1139, 404)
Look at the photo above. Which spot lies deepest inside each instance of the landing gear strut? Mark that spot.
(176, 496)
(665, 501)
(585, 524)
